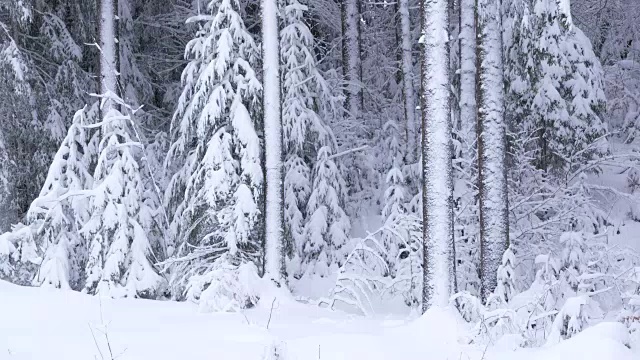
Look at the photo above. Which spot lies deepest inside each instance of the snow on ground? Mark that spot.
(39, 323)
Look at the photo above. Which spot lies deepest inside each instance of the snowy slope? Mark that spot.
(38, 323)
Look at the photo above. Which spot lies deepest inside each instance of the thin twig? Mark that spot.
(270, 313)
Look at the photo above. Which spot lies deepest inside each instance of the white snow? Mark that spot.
(45, 323)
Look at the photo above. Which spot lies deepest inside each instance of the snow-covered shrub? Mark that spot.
(574, 287)
(226, 287)
(506, 287)
(492, 321)
(573, 317)
(19, 258)
(630, 314)
(370, 274)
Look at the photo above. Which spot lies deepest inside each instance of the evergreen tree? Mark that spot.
(25, 136)
(305, 97)
(62, 209)
(567, 100)
(119, 233)
(327, 230)
(216, 191)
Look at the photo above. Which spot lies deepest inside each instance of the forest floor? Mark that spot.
(40, 323)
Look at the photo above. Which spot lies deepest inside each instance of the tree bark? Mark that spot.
(407, 80)
(492, 179)
(108, 49)
(352, 57)
(274, 217)
(437, 154)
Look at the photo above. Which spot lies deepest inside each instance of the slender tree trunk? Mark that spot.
(407, 80)
(351, 51)
(494, 225)
(345, 55)
(468, 118)
(108, 49)
(436, 155)
(274, 217)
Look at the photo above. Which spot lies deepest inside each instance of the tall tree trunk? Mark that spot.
(468, 118)
(407, 80)
(494, 225)
(352, 56)
(437, 153)
(274, 217)
(108, 49)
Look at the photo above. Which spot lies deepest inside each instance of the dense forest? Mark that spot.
(366, 156)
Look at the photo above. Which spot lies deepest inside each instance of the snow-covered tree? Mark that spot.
(62, 209)
(216, 190)
(26, 141)
(120, 231)
(327, 230)
(134, 84)
(556, 88)
(437, 174)
(304, 93)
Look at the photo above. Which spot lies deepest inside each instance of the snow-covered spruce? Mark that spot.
(62, 208)
(567, 100)
(121, 228)
(305, 97)
(215, 157)
(327, 230)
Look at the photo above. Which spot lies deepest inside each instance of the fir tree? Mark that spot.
(567, 100)
(304, 96)
(327, 230)
(119, 233)
(61, 210)
(217, 187)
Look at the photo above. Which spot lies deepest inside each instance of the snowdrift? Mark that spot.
(40, 323)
